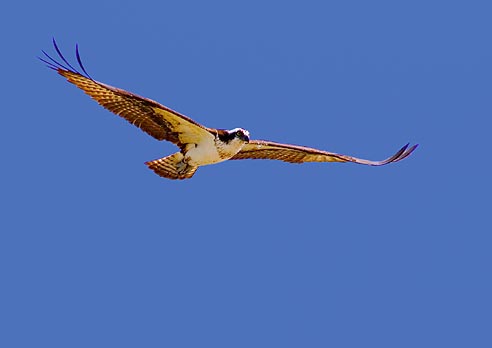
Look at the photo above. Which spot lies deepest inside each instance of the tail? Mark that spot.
(172, 167)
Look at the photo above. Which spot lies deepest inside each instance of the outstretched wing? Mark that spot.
(153, 118)
(260, 149)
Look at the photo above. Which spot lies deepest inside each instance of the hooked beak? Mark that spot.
(246, 136)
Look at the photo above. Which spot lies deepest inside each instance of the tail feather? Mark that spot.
(172, 167)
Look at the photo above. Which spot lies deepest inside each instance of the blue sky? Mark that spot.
(98, 251)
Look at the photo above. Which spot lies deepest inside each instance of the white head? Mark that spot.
(240, 133)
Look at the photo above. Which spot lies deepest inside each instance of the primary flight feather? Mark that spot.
(199, 145)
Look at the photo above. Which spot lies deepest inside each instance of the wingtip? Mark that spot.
(401, 154)
(79, 60)
(407, 152)
(413, 148)
(62, 63)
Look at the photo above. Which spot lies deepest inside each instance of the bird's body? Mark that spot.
(198, 144)
(207, 152)
(216, 149)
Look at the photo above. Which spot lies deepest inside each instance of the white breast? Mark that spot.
(210, 152)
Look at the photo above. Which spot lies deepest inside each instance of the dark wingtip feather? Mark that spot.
(407, 152)
(48, 64)
(400, 153)
(396, 156)
(80, 61)
(63, 58)
(63, 64)
(54, 64)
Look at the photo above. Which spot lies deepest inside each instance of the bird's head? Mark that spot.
(237, 135)
(240, 133)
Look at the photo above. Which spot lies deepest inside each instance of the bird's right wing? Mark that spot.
(261, 149)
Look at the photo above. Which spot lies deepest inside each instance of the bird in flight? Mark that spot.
(199, 145)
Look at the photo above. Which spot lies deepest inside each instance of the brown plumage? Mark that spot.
(261, 149)
(198, 144)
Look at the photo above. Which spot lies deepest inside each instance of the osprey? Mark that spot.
(199, 145)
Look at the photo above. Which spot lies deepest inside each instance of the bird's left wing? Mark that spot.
(153, 118)
(261, 149)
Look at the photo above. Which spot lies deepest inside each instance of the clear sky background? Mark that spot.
(98, 251)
